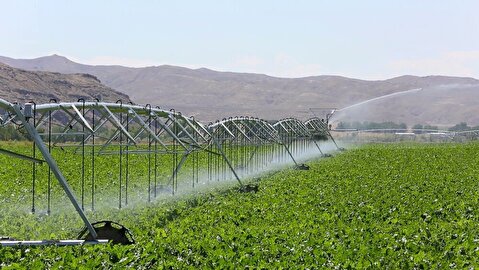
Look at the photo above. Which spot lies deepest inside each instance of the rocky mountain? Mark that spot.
(210, 94)
(18, 85)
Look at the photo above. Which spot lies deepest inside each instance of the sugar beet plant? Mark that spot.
(379, 206)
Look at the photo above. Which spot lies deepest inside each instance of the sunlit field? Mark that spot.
(395, 205)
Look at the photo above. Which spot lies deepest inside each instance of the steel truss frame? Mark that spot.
(243, 144)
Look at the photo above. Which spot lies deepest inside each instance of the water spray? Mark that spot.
(233, 149)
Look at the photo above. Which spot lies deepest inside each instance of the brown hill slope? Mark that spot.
(211, 94)
(18, 85)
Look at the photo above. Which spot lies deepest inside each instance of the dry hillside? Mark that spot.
(211, 94)
(18, 85)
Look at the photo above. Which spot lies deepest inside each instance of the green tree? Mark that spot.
(418, 126)
(460, 127)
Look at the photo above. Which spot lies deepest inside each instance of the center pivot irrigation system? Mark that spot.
(169, 142)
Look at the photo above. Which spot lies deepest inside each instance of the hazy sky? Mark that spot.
(362, 39)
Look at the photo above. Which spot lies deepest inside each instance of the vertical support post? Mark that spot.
(149, 152)
(34, 168)
(156, 159)
(174, 156)
(121, 155)
(83, 158)
(208, 162)
(93, 162)
(49, 184)
(193, 171)
(127, 169)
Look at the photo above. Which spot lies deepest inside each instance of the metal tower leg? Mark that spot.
(289, 152)
(220, 149)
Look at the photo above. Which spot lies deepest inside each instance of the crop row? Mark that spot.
(380, 206)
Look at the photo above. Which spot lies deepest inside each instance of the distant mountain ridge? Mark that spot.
(210, 94)
(18, 85)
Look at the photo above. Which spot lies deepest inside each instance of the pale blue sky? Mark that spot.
(362, 39)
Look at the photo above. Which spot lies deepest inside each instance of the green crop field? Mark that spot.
(397, 206)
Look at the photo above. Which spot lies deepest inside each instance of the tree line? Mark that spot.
(366, 125)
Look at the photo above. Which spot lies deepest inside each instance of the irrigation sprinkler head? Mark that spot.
(108, 230)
